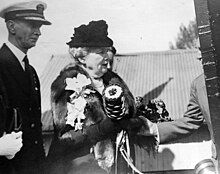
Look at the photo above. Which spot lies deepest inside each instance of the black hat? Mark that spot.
(28, 10)
(94, 34)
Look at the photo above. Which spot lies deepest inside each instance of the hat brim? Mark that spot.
(37, 19)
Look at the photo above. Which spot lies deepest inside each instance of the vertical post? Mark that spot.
(208, 22)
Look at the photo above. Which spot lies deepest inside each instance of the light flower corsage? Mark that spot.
(77, 104)
(77, 83)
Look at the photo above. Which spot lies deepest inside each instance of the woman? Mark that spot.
(70, 150)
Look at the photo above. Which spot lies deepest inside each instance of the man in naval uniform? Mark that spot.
(21, 89)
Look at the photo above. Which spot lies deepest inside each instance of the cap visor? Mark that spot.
(37, 19)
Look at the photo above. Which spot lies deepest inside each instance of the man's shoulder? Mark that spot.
(3, 47)
(4, 52)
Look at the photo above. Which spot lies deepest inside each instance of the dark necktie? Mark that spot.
(26, 64)
(27, 70)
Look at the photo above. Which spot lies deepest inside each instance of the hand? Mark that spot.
(103, 130)
(149, 128)
(140, 126)
(10, 144)
(131, 123)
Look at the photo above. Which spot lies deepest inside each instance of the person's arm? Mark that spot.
(191, 121)
(169, 131)
(90, 135)
(11, 143)
(3, 106)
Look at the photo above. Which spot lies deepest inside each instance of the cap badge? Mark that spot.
(40, 8)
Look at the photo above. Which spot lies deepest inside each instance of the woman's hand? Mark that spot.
(103, 130)
(10, 144)
(149, 128)
(130, 124)
(139, 125)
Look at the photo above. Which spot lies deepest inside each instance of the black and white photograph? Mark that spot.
(109, 86)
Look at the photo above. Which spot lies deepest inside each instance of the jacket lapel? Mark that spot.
(13, 66)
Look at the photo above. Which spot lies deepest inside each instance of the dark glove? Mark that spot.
(103, 130)
(131, 124)
(139, 126)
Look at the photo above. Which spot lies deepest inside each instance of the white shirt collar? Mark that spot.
(18, 53)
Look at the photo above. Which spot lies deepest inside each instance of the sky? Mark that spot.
(133, 25)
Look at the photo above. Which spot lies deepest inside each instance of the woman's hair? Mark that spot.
(81, 52)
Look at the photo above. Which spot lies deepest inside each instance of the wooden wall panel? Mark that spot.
(208, 21)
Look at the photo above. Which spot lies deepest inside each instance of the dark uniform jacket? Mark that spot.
(3, 104)
(23, 94)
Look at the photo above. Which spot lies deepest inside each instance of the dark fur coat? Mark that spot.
(70, 150)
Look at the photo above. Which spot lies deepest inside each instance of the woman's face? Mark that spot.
(96, 61)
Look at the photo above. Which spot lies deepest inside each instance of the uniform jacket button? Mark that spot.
(35, 142)
(30, 109)
(32, 125)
